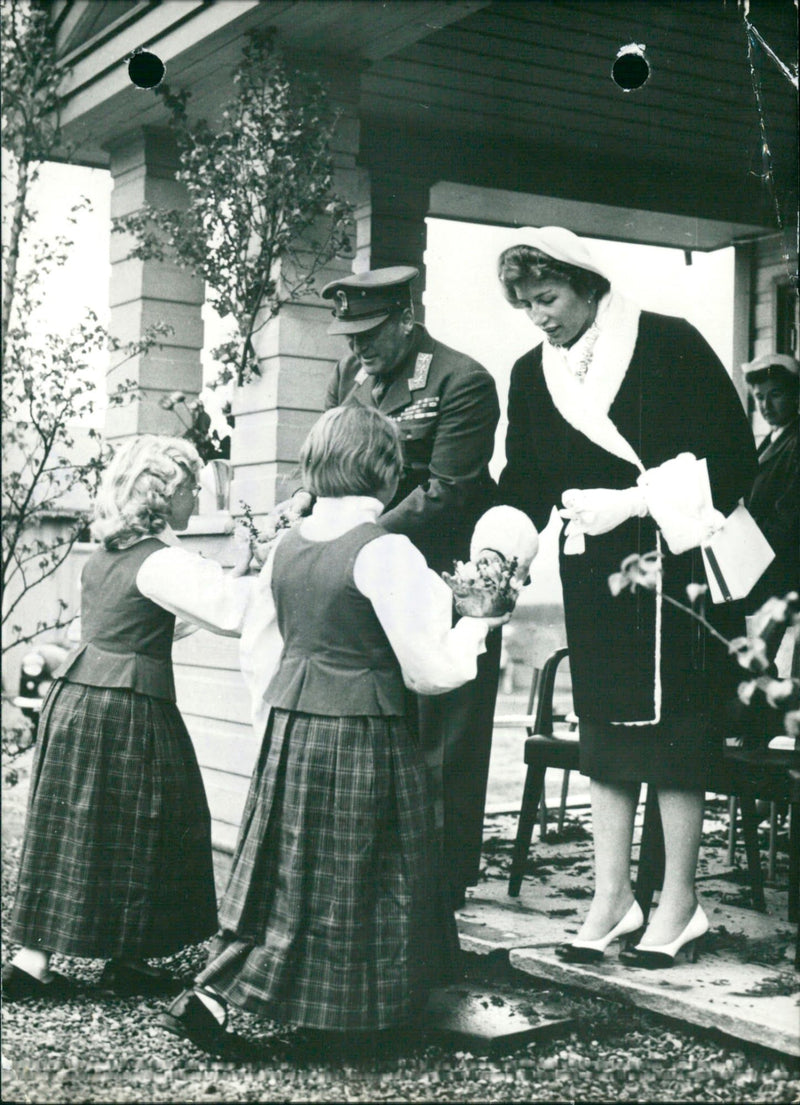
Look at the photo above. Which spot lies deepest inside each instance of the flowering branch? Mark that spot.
(261, 541)
(262, 218)
(751, 653)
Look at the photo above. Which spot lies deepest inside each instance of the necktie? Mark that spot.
(379, 390)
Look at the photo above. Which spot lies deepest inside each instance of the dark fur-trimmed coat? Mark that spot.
(774, 502)
(676, 397)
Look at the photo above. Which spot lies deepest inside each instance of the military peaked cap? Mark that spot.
(366, 299)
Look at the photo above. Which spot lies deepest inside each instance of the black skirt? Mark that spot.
(680, 752)
(116, 859)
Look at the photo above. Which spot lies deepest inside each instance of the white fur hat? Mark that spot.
(557, 242)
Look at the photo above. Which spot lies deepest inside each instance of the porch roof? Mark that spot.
(505, 94)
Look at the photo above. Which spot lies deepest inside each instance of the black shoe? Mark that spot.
(18, 985)
(121, 980)
(189, 1018)
(656, 958)
(576, 953)
(592, 951)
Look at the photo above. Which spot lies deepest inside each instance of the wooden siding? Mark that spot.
(81, 24)
(215, 705)
(520, 95)
(547, 67)
(771, 269)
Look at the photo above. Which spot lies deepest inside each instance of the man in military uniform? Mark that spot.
(446, 408)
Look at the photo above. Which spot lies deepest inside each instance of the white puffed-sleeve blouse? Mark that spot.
(412, 603)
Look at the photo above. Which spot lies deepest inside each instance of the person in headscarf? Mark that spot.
(616, 417)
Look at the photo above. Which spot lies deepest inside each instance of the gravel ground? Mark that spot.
(100, 1050)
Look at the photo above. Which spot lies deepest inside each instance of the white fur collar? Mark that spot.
(585, 403)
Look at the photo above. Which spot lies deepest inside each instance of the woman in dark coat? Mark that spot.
(774, 498)
(594, 413)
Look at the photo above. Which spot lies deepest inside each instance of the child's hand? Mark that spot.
(242, 560)
(300, 503)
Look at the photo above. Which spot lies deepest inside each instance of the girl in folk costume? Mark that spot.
(116, 860)
(335, 917)
(608, 419)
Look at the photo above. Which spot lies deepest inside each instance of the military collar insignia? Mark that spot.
(421, 369)
(360, 377)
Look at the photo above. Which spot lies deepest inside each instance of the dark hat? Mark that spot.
(764, 365)
(366, 299)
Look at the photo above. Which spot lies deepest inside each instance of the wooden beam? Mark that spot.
(595, 220)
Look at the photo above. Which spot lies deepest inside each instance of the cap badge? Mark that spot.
(421, 369)
(342, 304)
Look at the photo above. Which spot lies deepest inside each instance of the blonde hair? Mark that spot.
(351, 450)
(136, 488)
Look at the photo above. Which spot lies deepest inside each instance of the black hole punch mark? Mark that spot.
(145, 70)
(631, 68)
(630, 72)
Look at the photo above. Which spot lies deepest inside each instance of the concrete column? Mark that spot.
(296, 355)
(399, 206)
(147, 292)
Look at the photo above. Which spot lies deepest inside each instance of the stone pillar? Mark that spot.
(296, 354)
(147, 292)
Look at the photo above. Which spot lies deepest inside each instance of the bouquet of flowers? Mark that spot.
(503, 545)
(486, 587)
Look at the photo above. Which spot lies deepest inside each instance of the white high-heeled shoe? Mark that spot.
(589, 951)
(663, 955)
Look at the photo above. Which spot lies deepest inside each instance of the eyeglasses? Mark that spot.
(194, 490)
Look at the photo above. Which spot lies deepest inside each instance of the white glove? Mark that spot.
(508, 531)
(597, 510)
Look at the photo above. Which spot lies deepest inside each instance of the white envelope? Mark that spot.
(736, 557)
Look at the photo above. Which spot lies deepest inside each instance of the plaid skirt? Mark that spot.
(116, 859)
(335, 916)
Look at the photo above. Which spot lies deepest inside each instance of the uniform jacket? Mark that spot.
(634, 658)
(446, 407)
(774, 502)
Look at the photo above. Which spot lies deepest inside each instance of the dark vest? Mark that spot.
(336, 658)
(126, 639)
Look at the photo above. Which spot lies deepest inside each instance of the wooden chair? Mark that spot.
(542, 750)
(772, 774)
(532, 722)
(545, 749)
(745, 774)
